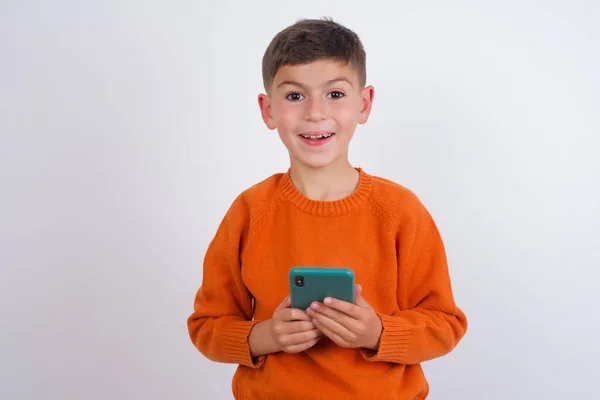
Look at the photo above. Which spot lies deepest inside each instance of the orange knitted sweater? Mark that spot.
(384, 234)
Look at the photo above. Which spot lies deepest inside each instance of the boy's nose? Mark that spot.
(315, 109)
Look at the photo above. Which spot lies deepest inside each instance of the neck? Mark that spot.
(333, 182)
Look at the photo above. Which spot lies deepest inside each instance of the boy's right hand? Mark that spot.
(292, 329)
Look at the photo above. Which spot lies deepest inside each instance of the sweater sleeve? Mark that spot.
(429, 323)
(221, 321)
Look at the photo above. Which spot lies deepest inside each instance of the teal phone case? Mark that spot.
(308, 284)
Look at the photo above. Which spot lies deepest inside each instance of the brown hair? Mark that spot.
(310, 40)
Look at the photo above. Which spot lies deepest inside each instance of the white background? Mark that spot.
(127, 128)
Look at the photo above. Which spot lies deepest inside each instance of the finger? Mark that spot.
(296, 327)
(294, 314)
(336, 338)
(361, 302)
(302, 347)
(343, 306)
(299, 338)
(358, 290)
(337, 316)
(286, 303)
(326, 324)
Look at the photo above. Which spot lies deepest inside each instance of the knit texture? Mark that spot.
(384, 234)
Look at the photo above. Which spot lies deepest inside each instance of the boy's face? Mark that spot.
(315, 108)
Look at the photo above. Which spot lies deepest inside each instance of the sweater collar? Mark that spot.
(327, 208)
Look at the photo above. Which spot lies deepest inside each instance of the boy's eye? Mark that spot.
(294, 96)
(336, 94)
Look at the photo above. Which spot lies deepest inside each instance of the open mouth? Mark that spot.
(317, 137)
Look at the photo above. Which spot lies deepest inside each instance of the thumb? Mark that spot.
(286, 303)
(360, 301)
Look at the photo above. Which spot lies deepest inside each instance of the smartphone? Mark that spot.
(308, 284)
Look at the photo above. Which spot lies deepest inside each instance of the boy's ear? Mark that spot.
(266, 111)
(368, 93)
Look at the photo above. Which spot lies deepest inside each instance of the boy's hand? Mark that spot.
(292, 330)
(346, 324)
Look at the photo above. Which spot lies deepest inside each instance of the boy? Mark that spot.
(324, 212)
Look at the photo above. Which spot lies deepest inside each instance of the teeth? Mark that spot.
(316, 136)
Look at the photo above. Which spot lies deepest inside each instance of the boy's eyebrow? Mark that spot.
(329, 82)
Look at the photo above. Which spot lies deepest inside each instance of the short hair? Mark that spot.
(310, 40)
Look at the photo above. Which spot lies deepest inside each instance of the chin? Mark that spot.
(316, 162)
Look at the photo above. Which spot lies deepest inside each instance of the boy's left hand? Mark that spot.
(346, 324)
